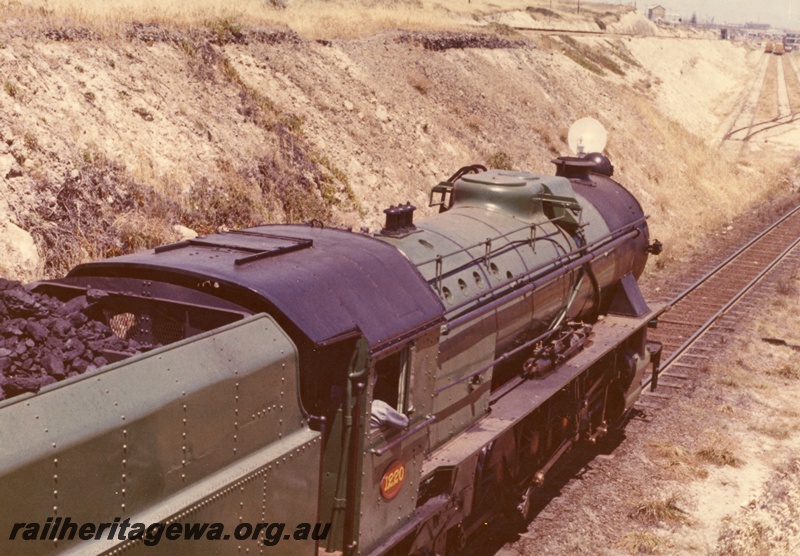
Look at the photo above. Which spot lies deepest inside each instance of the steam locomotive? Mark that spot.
(396, 388)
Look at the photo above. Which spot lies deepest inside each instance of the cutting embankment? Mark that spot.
(117, 137)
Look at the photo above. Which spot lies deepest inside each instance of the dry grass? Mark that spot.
(792, 83)
(719, 455)
(313, 19)
(769, 524)
(767, 108)
(676, 175)
(229, 202)
(590, 57)
(790, 288)
(654, 512)
(420, 82)
(310, 18)
(138, 231)
(11, 89)
(642, 542)
(778, 431)
(751, 539)
(98, 212)
(500, 160)
(785, 371)
(677, 459)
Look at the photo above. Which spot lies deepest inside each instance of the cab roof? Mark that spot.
(328, 282)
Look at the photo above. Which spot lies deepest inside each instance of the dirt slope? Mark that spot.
(109, 140)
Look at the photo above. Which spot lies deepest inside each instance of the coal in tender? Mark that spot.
(44, 340)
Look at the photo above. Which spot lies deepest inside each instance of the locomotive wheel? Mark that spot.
(523, 509)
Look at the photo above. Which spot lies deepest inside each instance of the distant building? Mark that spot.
(656, 12)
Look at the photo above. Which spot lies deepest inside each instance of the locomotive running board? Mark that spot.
(521, 401)
(422, 514)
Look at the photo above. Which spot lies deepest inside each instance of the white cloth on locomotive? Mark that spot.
(384, 415)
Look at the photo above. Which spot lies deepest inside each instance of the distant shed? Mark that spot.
(657, 12)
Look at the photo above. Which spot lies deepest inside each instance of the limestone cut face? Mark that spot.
(19, 257)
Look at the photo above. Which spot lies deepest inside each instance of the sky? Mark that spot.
(780, 13)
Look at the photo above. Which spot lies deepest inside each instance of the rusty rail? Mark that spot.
(786, 228)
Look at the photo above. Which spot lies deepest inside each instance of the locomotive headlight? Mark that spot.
(585, 136)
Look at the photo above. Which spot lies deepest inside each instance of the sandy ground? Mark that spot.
(700, 86)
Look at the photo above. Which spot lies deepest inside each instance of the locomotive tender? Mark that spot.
(498, 333)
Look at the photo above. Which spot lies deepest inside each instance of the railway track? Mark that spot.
(705, 312)
(749, 121)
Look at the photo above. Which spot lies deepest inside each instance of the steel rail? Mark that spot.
(757, 82)
(727, 261)
(680, 351)
(768, 124)
(710, 322)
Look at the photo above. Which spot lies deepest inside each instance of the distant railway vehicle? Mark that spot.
(768, 46)
(778, 49)
(403, 386)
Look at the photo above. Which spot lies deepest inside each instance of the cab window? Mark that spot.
(394, 380)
